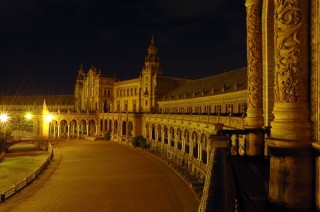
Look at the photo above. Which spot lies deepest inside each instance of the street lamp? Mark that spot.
(4, 118)
(49, 118)
(28, 118)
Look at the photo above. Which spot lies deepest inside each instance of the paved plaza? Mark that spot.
(104, 176)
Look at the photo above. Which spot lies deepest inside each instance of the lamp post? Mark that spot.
(48, 119)
(4, 118)
(28, 117)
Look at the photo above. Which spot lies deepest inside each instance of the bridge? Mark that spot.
(18, 137)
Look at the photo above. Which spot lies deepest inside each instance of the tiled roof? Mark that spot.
(230, 81)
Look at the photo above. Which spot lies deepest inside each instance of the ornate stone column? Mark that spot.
(68, 127)
(254, 119)
(59, 129)
(183, 144)
(199, 151)
(291, 164)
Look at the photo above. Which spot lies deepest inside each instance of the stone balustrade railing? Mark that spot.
(27, 180)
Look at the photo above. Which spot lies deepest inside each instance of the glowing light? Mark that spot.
(4, 118)
(49, 118)
(28, 116)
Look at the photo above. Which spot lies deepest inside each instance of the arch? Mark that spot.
(165, 134)
(83, 126)
(172, 136)
(124, 128)
(187, 142)
(64, 127)
(101, 124)
(195, 144)
(153, 133)
(115, 126)
(178, 139)
(92, 127)
(74, 126)
(147, 130)
(106, 125)
(159, 132)
(130, 128)
(204, 148)
(110, 126)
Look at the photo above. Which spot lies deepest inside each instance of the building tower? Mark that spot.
(78, 89)
(149, 75)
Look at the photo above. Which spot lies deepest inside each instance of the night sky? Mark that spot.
(44, 42)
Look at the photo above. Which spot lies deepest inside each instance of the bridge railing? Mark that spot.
(27, 180)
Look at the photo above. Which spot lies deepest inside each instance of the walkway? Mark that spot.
(104, 176)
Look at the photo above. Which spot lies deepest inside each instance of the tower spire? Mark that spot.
(152, 59)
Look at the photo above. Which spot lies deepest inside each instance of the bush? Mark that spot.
(139, 141)
(107, 136)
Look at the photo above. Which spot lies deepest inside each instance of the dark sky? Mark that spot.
(44, 42)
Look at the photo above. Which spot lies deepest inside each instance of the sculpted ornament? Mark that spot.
(289, 51)
(254, 55)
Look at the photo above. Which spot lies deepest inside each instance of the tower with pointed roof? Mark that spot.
(149, 76)
(78, 88)
(152, 62)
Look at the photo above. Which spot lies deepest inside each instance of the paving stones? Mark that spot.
(104, 176)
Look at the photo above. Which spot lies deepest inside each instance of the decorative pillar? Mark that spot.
(157, 135)
(97, 127)
(54, 127)
(78, 130)
(254, 119)
(183, 144)
(291, 165)
(87, 129)
(150, 133)
(191, 147)
(59, 128)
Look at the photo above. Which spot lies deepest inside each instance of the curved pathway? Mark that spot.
(104, 176)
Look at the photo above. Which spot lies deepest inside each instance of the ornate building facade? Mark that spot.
(274, 101)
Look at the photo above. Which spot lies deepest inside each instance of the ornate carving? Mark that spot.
(254, 54)
(291, 49)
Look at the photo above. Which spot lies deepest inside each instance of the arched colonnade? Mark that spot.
(79, 127)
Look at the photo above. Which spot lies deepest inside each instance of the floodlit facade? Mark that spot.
(268, 109)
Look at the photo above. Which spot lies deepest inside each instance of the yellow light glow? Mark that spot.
(4, 117)
(28, 116)
(49, 118)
